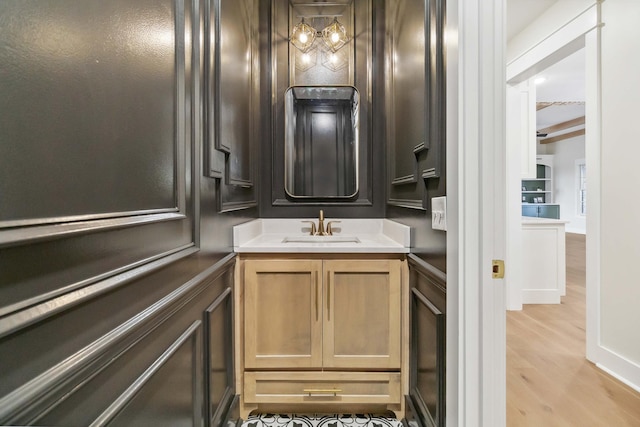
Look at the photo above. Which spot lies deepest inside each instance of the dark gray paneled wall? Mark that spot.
(96, 168)
(415, 121)
(366, 74)
(111, 242)
(230, 84)
(58, 65)
(232, 101)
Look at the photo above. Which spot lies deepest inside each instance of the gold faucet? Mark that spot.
(320, 230)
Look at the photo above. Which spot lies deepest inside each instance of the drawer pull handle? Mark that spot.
(329, 296)
(333, 391)
(317, 296)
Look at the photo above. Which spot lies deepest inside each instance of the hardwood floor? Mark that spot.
(549, 381)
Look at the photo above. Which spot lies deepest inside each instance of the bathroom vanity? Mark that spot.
(321, 321)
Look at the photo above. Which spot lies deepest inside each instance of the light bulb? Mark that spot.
(303, 38)
(335, 37)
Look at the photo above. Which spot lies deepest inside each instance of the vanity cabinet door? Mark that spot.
(362, 314)
(282, 312)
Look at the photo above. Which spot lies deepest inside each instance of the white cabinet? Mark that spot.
(543, 269)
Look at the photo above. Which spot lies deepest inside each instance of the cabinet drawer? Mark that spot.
(322, 387)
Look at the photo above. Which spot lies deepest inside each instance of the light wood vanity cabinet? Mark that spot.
(282, 323)
(322, 332)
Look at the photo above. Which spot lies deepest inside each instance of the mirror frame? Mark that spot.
(356, 146)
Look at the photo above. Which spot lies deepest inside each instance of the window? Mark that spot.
(581, 171)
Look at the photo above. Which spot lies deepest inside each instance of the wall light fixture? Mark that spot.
(333, 35)
(302, 36)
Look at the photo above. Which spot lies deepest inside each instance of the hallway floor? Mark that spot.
(549, 381)
(317, 420)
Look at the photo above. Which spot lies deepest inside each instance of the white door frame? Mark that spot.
(476, 335)
(579, 30)
(476, 177)
(566, 36)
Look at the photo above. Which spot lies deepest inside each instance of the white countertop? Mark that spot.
(268, 235)
(532, 220)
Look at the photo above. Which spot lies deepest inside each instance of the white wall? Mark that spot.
(620, 178)
(554, 18)
(550, 38)
(565, 185)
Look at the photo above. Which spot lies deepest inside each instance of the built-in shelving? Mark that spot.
(537, 193)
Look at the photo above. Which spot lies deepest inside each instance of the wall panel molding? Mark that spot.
(79, 225)
(437, 81)
(416, 101)
(39, 395)
(191, 337)
(224, 302)
(127, 127)
(418, 152)
(421, 304)
(229, 141)
(408, 203)
(27, 312)
(85, 212)
(427, 355)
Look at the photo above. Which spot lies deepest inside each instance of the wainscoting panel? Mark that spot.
(168, 393)
(426, 400)
(219, 366)
(111, 246)
(79, 387)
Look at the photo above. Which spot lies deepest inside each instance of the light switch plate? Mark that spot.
(439, 213)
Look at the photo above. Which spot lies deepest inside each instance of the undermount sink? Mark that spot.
(321, 239)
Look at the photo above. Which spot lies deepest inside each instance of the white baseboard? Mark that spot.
(540, 296)
(618, 367)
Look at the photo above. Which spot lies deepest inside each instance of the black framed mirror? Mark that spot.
(321, 142)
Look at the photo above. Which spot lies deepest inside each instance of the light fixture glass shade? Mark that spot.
(303, 35)
(335, 61)
(306, 60)
(334, 35)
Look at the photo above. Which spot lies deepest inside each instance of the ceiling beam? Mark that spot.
(562, 126)
(563, 136)
(541, 105)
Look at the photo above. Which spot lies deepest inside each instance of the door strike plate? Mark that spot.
(497, 268)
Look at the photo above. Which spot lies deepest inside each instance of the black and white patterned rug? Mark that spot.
(320, 420)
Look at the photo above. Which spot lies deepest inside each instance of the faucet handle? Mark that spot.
(329, 229)
(313, 228)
